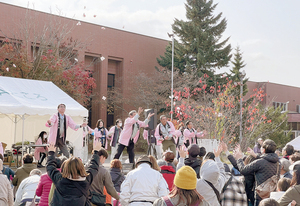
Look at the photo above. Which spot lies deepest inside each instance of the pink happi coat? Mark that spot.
(111, 134)
(53, 129)
(38, 150)
(172, 131)
(127, 131)
(188, 135)
(98, 134)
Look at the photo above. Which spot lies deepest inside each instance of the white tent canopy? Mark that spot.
(26, 105)
(295, 143)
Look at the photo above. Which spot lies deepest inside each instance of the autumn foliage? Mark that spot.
(47, 65)
(217, 110)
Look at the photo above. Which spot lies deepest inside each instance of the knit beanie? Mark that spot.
(186, 178)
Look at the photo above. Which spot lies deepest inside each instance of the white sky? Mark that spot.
(266, 30)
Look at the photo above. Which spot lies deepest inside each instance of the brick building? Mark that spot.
(286, 97)
(125, 53)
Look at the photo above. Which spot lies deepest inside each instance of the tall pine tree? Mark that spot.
(236, 72)
(201, 48)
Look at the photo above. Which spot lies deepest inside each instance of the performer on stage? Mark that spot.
(59, 123)
(164, 133)
(113, 135)
(130, 133)
(154, 146)
(40, 152)
(101, 133)
(85, 141)
(191, 135)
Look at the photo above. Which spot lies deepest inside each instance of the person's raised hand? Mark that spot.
(49, 122)
(251, 152)
(293, 203)
(182, 151)
(51, 147)
(225, 147)
(219, 150)
(140, 110)
(97, 145)
(238, 152)
(150, 115)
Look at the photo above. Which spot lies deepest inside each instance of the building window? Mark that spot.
(111, 81)
(282, 105)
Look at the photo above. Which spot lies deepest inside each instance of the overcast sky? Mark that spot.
(266, 30)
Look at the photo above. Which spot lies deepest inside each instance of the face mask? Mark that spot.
(45, 136)
(120, 124)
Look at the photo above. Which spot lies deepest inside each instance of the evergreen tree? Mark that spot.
(236, 72)
(201, 47)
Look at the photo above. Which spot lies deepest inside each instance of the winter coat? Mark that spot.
(6, 192)
(175, 202)
(115, 173)
(168, 173)
(128, 128)
(262, 169)
(248, 180)
(214, 172)
(22, 173)
(27, 189)
(8, 172)
(143, 184)
(43, 189)
(293, 193)
(66, 192)
(195, 164)
(103, 178)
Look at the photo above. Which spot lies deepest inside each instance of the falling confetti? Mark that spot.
(76, 59)
(7, 69)
(104, 98)
(84, 7)
(102, 58)
(95, 15)
(131, 61)
(123, 27)
(14, 65)
(83, 14)
(78, 23)
(103, 28)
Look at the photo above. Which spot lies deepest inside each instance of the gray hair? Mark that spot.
(132, 111)
(285, 164)
(162, 116)
(35, 172)
(161, 162)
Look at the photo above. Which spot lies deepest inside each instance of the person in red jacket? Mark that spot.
(45, 183)
(168, 173)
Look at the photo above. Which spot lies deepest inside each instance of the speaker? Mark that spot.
(153, 120)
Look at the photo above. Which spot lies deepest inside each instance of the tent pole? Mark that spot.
(23, 118)
(15, 135)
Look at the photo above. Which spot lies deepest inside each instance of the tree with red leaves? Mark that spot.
(47, 52)
(216, 110)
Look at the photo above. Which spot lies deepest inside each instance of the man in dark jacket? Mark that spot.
(192, 160)
(265, 167)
